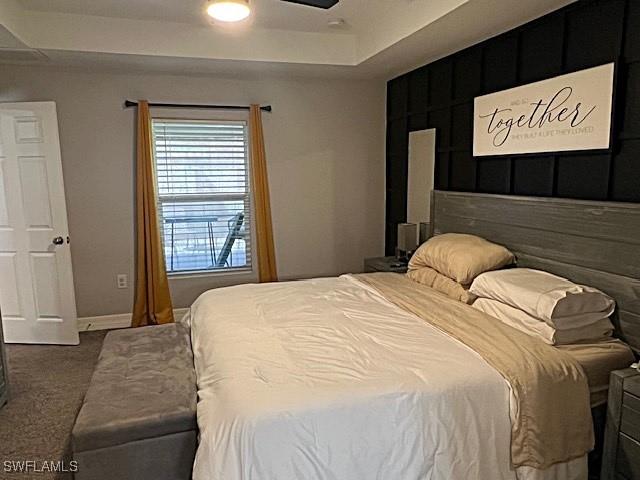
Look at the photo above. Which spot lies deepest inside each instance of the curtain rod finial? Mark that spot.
(129, 103)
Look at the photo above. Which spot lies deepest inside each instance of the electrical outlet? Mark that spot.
(122, 280)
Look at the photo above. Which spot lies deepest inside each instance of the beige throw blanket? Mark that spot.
(552, 419)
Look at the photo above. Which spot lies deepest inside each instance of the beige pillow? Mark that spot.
(429, 277)
(460, 257)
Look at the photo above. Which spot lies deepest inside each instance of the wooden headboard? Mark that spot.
(592, 243)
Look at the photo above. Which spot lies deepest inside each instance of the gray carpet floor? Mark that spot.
(47, 384)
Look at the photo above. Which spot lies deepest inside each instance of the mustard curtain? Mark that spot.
(152, 304)
(267, 271)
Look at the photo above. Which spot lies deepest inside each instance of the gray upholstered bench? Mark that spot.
(138, 419)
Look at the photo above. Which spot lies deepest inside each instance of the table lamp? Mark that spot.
(407, 241)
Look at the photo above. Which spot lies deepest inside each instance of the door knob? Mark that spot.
(58, 241)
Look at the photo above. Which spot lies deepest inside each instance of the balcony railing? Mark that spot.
(205, 242)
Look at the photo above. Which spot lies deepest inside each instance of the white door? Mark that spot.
(36, 282)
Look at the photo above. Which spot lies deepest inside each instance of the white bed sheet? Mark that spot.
(325, 379)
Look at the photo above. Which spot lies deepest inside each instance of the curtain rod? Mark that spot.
(129, 103)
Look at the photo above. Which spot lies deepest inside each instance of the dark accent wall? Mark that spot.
(440, 95)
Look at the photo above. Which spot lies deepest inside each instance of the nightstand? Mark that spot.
(384, 264)
(621, 455)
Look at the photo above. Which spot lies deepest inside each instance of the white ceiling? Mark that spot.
(272, 14)
(381, 38)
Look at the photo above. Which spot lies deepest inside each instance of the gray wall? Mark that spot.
(325, 152)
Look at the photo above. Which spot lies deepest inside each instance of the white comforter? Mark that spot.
(324, 379)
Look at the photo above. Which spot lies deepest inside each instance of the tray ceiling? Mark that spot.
(379, 37)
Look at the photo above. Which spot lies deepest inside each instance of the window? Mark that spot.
(203, 194)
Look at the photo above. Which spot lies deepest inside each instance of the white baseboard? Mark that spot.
(119, 320)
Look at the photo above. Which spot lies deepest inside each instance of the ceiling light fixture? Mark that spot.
(229, 10)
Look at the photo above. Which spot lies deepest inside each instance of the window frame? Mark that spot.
(247, 197)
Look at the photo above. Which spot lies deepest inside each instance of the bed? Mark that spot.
(335, 379)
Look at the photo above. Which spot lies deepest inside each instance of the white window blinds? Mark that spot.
(203, 194)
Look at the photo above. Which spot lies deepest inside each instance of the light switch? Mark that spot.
(122, 280)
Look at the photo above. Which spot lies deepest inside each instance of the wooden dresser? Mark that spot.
(621, 455)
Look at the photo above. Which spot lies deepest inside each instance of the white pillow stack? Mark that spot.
(544, 305)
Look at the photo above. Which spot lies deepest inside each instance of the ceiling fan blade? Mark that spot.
(315, 3)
